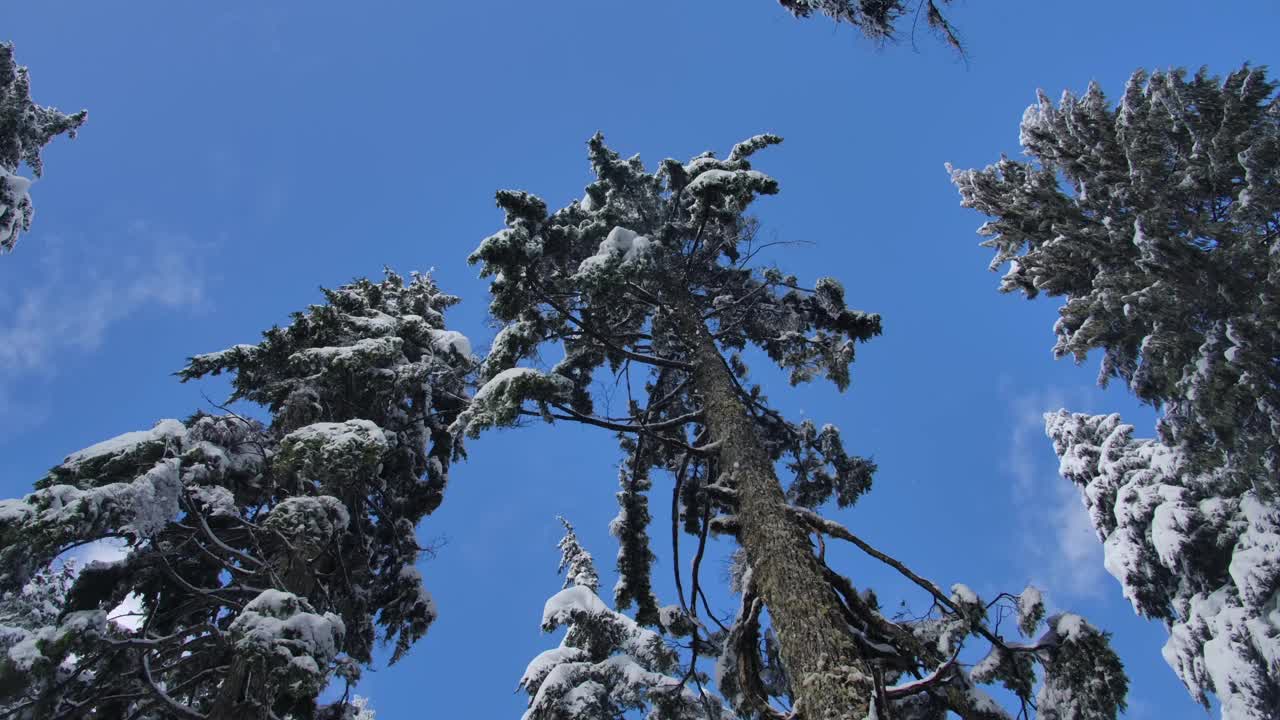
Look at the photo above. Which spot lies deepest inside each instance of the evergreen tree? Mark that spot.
(650, 275)
(263, 557)
(25, 128)
(877, 19)
(607, 664)
(1158, 222)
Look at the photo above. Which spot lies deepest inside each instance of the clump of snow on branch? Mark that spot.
(308, 522)
(451, 341)
(295, 642)
(323, 455)
(498, 401)
(1031, 609)
(622, 247)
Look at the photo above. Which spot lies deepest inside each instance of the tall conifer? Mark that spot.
(1158, 222)
(653, 277)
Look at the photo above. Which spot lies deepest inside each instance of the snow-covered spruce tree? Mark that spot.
(877, 19)
(1158, 222)
(607, 664)
(262, 556)
(650, 275)
(25, 128)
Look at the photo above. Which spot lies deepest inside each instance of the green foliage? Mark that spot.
(1156, 221)
(263, 559)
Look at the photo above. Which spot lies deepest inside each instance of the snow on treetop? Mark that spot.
(25, 128)
(576, 563)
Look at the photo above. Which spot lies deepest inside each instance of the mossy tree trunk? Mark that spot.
(830, 678)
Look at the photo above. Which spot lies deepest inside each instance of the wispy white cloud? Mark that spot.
(80, 295)
(73, 294)
(66, 300)
(1062, 552)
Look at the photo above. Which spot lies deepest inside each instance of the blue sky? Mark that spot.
(239, 155)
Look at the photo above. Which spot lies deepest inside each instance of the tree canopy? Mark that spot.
(263, 560)
(25, 128)
(1157, 222)
(652, 281)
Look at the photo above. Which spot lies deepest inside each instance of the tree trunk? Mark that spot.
(829, 677)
